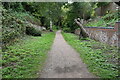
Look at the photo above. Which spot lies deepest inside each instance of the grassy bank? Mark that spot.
(26, 58)
(107, 20)
(101, 59)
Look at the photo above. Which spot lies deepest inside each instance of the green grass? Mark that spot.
(101, 59)
(102, 23)
(26, 58)
(107, 20)
(99, 23)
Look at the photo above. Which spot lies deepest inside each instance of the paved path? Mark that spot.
(64, 62)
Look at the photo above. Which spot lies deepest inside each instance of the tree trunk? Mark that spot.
(51, 26)
(83, 32)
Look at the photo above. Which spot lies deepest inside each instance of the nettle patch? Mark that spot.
(101, 59)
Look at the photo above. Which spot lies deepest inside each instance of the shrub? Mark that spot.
(66, 29)
(8, 36)
(55, 27)
(33, 31)
(14, 26)
(32, 20)
(105, 21)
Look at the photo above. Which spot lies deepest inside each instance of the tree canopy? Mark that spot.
(61, 14)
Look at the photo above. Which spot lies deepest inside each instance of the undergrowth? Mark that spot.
(14, 26)
(100, 58)
(26, 58)
(108, 20)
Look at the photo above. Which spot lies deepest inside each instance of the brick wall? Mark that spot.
(109, 35)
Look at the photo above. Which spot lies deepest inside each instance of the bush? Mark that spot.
(32, 20)
(55, 27)
(12, 28)
(107, 20)
(14, 25)
(33, 31)
(8, 36)
(66, 29)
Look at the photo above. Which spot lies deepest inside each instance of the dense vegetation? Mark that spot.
(101, 59)
(26, 58)
(22, 55)
(61, 14)
(73, 11)
(87, 12)
(105, 21)
(25, 45)
(15, 24)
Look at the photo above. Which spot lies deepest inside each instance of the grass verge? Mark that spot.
(101, 59)
(25, 59)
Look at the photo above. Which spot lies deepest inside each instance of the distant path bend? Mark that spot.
(64, 62)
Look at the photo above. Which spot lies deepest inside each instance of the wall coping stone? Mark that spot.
(101, 27)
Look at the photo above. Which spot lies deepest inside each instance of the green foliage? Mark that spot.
(9, 35)
(100, 4)
(14, 25)
(65, 29)
(12, 28)
(99, 23)
(15, 6)
(101, 59)
(111, 16)
(33, 31)
(54, 27)
(108, 20)
(96, 5)
(45, 11)
(26, 58)
(76, 10)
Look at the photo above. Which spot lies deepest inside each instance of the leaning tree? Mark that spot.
(83, 32)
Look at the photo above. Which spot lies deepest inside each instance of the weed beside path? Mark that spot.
(101, 59)
(25, 59)
(64, 62)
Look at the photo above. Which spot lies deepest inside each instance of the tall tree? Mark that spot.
(76, 10)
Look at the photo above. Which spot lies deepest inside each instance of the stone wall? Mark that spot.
(109, 35)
